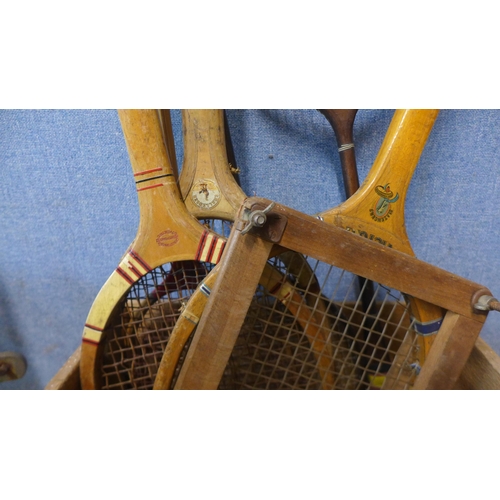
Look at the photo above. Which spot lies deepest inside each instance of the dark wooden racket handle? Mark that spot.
(342, 122)
(229, 149)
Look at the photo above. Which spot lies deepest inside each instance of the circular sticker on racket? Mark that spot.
(205, 194)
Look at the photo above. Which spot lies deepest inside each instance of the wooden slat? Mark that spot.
(362, 257)
(482, 371)
(68, 377)
(245, 259)
(222, 319)
(449, 352)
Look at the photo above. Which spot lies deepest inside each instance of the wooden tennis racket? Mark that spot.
(342, 123)
(212, 195)
(398, 157)
(377, 212)
(171, 250)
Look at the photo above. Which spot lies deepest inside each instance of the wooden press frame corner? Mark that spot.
(286, 229)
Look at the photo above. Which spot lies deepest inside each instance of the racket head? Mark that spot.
(171, 249)
(205, 162)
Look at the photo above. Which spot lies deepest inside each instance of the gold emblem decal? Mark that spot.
(382, 209)
(205, 194)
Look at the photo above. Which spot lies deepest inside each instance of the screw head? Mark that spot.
(259, 219)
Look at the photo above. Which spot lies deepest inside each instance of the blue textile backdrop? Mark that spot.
(69, 207)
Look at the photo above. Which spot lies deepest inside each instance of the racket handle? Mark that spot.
(144, 139)
(168, 137)
(342, 121)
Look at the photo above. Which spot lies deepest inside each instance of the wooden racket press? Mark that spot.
(262, 225)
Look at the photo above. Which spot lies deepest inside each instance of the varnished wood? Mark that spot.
(166, 232)
(392, 170)
(482, 371)
(376, 262)
(342, 122)
(68, 376)
(205, 158)
(449, 352)
(222, 319)
(217, 333)
(168, 138)
(394, 166)
(397, 159)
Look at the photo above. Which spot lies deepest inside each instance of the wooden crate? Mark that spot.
(482, 371)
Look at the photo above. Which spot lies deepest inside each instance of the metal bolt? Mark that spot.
(487, 303)
(257, 218)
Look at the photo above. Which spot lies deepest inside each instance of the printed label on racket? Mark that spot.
(167, 238)
(371, 237)
(382, 209)
(205, 194)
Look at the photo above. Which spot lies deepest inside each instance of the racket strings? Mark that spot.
(219, 226)
(134, 344)
(323, 337)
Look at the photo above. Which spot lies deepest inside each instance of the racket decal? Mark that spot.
(204, 288)
(382, 209)
(206, 194)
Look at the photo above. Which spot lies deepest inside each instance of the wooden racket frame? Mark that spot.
(166, 232)
(73, 381)
(205, 159)
(397, 160)
(394, 167)
(247, 254)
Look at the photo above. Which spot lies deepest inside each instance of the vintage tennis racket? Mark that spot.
(342, 123)
(364, 214)
(171, 251)
(212, 195)
(378, 214)
(372, 348)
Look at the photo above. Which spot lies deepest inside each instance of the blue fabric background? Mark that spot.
(69, 207)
